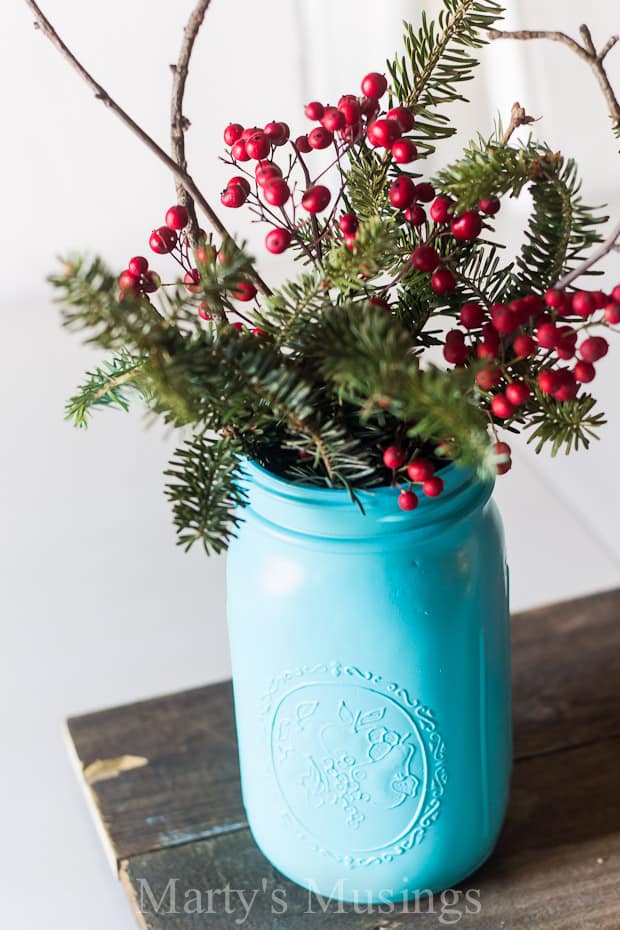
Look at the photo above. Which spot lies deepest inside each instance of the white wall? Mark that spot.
(99, 607)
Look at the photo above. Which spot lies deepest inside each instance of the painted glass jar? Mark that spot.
(371, 673)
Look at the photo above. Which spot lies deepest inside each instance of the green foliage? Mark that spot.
(570, 425)
(108, 385)
(204, 493)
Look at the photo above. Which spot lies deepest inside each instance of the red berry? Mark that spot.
(242, 181)
(584, 372)
(137, 265)
(369, 107)
(403, 116)
(583, 303)
(524, 346)
(404, 151)
(424, 192)
(504, 460)
(433, 487)
(277, 240)
(394, 457)
(383, 133)
(593, 348)
(548, 380)
(566, 342)
(239, 151)
(177, 217)
(490, 336)
(501, 407)
(302, 145)
(518, 393)
(425, 258)
(314, 110)
(615, 294)
(440, 209)
(534, 305)
(191, 279)
(128, 281)
(205, 254)
(203, 311)
(316, 198)
(503, 318)
(374, 85)
(350, 108)
(467, 226)
(566, 386)
(250, 131)
(244, 291)
(333, 119)
(379, 302)
(348, 224)
(488, 378)
(557, 300)
(266, 171)
(443, 281)
(259, 331)
(232, 133)
(415, 215)
(455, 352)
(320, 138)
(237, 327)
(277, 133)
(612, 310)
(162, 240)
(349, 241)
(233, 196)
(420, 470)
(402, 192)
(547, 335)
(276, 192)
(471, 316)
(489, 205)
(520, 311)
(407, 500)
(258, 145)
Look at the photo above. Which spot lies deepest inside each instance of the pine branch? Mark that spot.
(204, 493)
(570, 425)
(108, 385)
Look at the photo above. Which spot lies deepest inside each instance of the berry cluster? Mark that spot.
(418, 471)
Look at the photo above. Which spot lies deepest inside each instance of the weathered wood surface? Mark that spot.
(179, 814)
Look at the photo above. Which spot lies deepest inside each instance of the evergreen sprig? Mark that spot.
(570, 425)
(110, 384)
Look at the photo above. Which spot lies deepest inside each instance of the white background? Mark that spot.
(98, 606)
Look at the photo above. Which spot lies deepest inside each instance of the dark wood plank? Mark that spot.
(566, 693)
(556, 866)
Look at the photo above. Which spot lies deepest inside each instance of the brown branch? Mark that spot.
(179, 174)
(587, 52)
(178, 122)
(604, 248)
(518, 117)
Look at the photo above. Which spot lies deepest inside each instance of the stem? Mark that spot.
(603, 249)
(178, 122)
(42, 23)
(313, 219)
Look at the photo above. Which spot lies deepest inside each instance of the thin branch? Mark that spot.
(182, 176)
(604, 248)
(178, 122)
(518, 117)
(587, 52)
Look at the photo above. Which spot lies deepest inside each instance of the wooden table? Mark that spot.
(162, 779)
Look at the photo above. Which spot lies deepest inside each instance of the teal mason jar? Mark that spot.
(371, 672)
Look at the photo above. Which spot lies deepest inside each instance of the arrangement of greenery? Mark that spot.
(328, 379)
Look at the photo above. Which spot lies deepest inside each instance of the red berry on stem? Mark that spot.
(518, 393)
(424, 192)
(415, 215)
(440, 209)
(302, 145)
(276, 192)
(402, 192)
(350, 108)
(584, 372)
(566, 342)
(234, 196)
(382, 133)
(489, 205)
(320, 138)
(316, 198)
(524, 346)
(204, 311)
(379, 302)
(548, 380)
(348, 224)
(425, 258)
(534, 305)
(471, 316)
(277, 240)
(404, 151)
(374, 85)
(547, 335)
(443, 281)
(232, 133)
(152, 282)
(162, 240)
(191, 279)
(488, 378)
(467, 226)
(403, 116)
(239, 151)
(258, 145)
(503, 318)
(244, 291)
(593, 348)
(128, 281)
(420, 470)
(314, 110)
(583, 303)
(504, 455)
(177, 217)
(433, 487)
(205, 254)
(138, 265)
(612, 310)
(394, 457)
(502, 407)
(566, 387)
(407, 500)
(266, 171)
(242, 181)
(277, 133)
(557, 300)
(333, 119)
(615, 294)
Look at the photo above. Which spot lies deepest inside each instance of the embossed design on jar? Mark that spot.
(359, 763)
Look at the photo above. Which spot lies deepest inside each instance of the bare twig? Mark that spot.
(604, 248)
(518, 117)
(587, 52)
(178, 122)
(179, 174)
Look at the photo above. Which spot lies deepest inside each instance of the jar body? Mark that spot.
(371, 674)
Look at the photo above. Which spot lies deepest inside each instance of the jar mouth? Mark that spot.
(339, 515)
